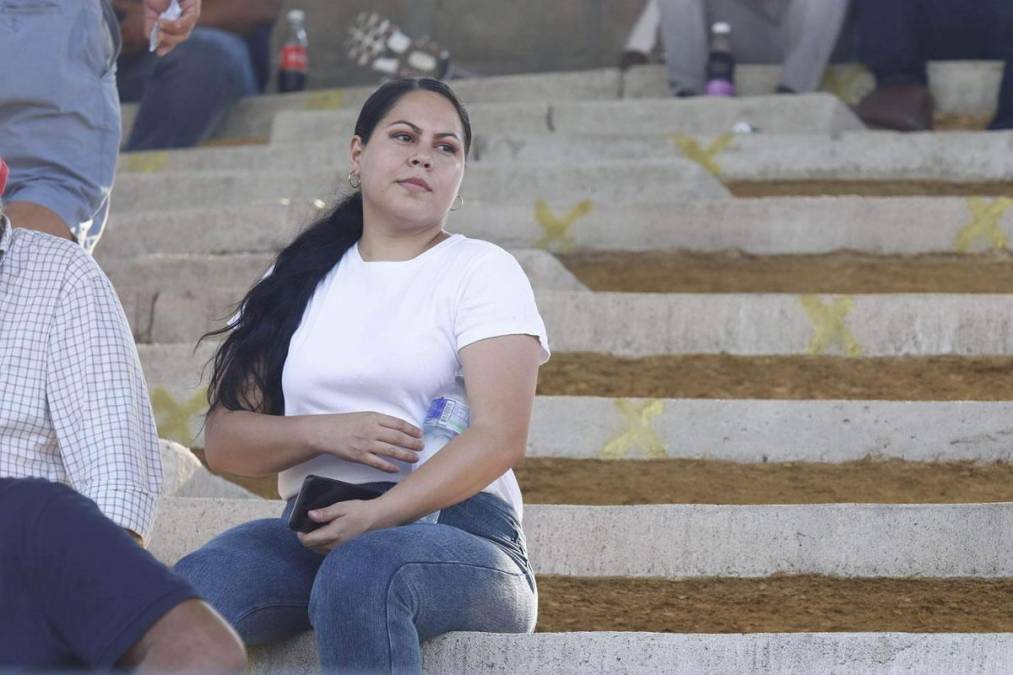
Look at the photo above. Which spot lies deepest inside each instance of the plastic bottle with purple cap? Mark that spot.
(721, 62)
(447, 417)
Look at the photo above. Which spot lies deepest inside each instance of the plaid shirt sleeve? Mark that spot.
(98, 402)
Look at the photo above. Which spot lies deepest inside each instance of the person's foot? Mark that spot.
(632, 58)
(784, 89)
(902, 107)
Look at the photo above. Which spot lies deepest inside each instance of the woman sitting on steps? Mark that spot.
(328, 368)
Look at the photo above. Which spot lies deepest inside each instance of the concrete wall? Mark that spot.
(490, 37)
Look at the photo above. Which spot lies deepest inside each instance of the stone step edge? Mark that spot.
(673, 541)
(644, 324)
(671, 653)
(738, 430)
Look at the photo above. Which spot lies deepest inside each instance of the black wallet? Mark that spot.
(318, 492)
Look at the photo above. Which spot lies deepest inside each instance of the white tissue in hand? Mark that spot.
(171, 14)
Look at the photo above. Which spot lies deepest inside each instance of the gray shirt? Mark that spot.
(73, 404)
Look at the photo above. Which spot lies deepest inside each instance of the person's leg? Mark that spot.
(189, 91)
(258, 576)
(684, 36)
(378, 596)
(190, 637)
(60, 115)
(1001, 47)
(812, 28)
(643, 37)
(1003, 118)
(889, 43)
(79, 591)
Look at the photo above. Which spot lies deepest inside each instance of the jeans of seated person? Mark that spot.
(373, 600)
(185, 95)
(898, 37)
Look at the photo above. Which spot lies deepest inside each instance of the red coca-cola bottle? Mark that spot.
(293, 64)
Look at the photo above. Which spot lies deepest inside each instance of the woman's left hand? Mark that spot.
(344, 522)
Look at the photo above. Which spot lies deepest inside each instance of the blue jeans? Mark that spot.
(373, 600)
(185, 94)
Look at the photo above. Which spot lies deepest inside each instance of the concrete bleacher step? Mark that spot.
(737, 430)
(690, 541)
(811, 113)
(559, 186)
(868, 155)
(252, 117)
(959, 87)
(771, 226)
(156, 272)
(642, 324)
(697, 540)
(684, 654)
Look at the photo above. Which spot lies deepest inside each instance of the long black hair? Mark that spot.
(247, 366)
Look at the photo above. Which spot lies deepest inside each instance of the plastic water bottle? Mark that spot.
(294, 61)
(721, 63)
(448, 416)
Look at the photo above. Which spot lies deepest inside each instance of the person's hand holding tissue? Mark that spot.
(169, 22)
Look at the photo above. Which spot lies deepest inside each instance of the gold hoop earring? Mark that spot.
(459, 205)
(354, 180)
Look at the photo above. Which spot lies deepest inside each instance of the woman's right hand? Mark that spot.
(368, 438)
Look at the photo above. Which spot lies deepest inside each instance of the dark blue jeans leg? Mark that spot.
(185, 94)
(1002, 48)
(888, 41)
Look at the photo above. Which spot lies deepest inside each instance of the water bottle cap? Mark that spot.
(721, 28)
(297, 15)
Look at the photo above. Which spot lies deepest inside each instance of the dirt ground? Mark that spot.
(775, 604)
(908, 378)
(681, 481)
(868, 188)
(687, 272)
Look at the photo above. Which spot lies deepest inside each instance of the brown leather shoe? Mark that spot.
(902, 107)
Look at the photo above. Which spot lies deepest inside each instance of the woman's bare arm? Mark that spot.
(500, 375)
(254, 444)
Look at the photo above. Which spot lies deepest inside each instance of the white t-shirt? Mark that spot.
(384, 337)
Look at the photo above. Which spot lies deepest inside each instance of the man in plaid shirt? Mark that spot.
(74, 413)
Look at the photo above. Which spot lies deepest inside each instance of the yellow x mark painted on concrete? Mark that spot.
(639, 434)
(147, 162)
(173, 418)
(325, 100)
(555, 230)
(706, 158)
(829, 322)
(984, 223)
